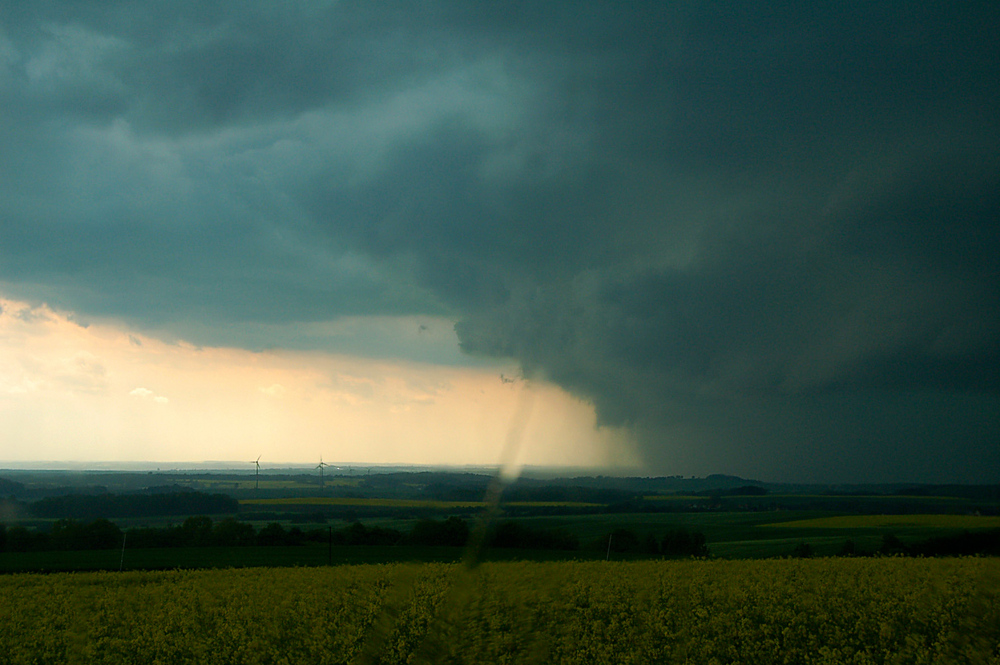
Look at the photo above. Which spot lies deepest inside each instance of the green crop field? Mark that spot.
(877, 611)
(717, 526)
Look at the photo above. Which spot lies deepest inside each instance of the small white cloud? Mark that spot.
(146, 393)
(274, 390)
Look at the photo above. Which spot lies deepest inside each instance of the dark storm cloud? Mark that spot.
(763, 236)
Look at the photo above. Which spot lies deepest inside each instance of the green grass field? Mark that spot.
(717, 526)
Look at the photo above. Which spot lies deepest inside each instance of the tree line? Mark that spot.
(201, 531)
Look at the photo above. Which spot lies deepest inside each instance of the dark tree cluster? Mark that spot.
(73, 535)
(967, 543)
(77, 506)
(623, 541)
(198, 531)
(453, 532)
(514, 535)
(201, 531)
(64, 535)
(359, 534)
(676, 543)
(681, 542)
(20, 539)
(275, 535)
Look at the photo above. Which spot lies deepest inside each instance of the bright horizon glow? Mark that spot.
(102, 393)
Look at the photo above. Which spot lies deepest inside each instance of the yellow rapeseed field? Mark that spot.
(882, 610)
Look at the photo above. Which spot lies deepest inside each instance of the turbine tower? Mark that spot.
(256, 478)
(322, 465)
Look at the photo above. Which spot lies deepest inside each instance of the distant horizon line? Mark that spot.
(537, 470)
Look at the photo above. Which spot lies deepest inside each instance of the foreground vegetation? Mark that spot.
(882, 610)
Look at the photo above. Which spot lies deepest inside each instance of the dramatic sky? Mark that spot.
(757, 238)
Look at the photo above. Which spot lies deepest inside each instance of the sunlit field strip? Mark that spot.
(778, 611)
(404, 503)
(894, 521)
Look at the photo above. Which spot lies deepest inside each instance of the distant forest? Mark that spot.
(76, 506)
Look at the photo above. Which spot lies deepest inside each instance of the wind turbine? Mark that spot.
(321, 466)
(256, 478)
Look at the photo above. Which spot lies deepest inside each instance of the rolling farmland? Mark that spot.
(305, 581)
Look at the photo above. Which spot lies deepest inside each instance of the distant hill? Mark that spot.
(10, 487)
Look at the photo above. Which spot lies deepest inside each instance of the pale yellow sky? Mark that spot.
(102, 393)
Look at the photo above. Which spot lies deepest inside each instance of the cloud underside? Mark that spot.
(754, 234)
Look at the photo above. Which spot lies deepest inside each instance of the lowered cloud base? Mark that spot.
(66, 393)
